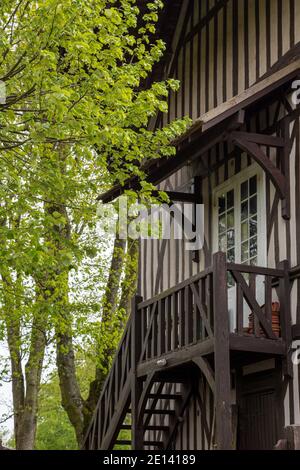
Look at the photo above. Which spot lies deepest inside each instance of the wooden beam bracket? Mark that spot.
(252, 144)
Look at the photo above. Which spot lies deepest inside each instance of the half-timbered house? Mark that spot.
(205, 361)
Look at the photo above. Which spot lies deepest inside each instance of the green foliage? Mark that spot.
(54, 431)
(75, 122)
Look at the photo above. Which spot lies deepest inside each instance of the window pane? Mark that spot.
(253, 262)
(245, 252)
(253, 205)
(222, 223)
(244, 210)
(230, 219)
(222, 204)
(230, 239)
(244, 190)
(231, 256)
(230, 199)
(222, 242)
(253, 226)
(245, 231)
(253, 247)
(253, 185)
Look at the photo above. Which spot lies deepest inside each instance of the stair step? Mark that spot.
(148, 428)
(154, 443)
(165, 396)
(176, 379)
(159, 412)
(157, 428)
(123, 442)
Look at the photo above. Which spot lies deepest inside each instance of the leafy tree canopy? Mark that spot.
(75, 121)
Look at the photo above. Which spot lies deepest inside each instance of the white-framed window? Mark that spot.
(239, 219)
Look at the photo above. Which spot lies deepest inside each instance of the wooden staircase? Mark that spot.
(150, 383)
(162, 407)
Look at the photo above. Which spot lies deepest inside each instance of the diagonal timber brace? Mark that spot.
(251, 144)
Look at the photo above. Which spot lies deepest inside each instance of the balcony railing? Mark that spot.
(229, 300)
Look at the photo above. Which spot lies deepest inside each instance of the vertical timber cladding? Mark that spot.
(220, 48)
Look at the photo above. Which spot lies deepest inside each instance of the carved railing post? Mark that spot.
(137, 436)
(224, 435)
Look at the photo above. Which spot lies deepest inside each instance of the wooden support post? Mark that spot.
(285, 315)
(286, 203)
(137, 432)
(198, 200)
(224, 435)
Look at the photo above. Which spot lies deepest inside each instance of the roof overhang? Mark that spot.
(211, 128)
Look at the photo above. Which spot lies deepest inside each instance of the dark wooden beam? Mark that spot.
(255, 152)
(224, 437)
(180, 357)
(250, 143)
(157, 427)
(160, 412)
(165, 396)
(285, 316)
(207, 18)
(260, 139)
(176, 196)
(207, 371)
(256, 345)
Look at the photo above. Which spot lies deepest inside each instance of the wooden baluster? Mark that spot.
(202, 294)
(195, 317)
(128, 362)
(209, 299)
(188, 309)
(239, 309)
(268, 298)
(148, 348)
(174, 314)
(161, 327)
(252, 287)
(168, 317)
(181, 319)
(154, 333)
(143, 326)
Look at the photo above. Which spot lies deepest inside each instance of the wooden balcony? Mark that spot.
(204, 321)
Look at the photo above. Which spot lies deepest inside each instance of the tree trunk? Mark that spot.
(18, 391)
(24, 389)
(12, 323)
(33, 371)
(72, 401)
(110, 305)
